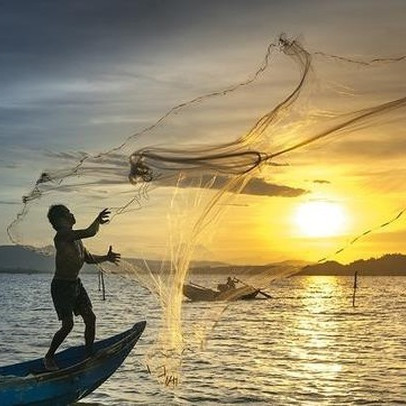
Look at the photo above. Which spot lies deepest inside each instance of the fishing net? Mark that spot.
(213, 175)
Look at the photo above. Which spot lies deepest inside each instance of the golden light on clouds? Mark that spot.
(320, 219)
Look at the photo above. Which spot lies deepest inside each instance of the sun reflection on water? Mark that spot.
(316, 337)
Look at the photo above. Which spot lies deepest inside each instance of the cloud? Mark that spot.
(261, 188)
(44, 36)
(256, 187)
(321, 181)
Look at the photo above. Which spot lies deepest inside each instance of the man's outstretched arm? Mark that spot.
(91, 231)
(111, 256)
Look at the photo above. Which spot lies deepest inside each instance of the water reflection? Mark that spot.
(321, 293)
(316, 330)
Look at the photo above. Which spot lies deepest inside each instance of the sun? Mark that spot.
(320, 219)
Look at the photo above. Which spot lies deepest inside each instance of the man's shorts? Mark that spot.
(69, 297)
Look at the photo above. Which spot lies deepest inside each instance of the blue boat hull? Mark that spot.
(28, 383)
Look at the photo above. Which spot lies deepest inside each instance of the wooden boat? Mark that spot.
(199, 293)
(28, 383)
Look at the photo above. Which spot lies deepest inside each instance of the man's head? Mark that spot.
(60, 216)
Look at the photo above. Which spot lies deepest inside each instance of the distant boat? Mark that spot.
(200, 293)
(28, 383)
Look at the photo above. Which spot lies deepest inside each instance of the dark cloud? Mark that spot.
(321, 181)
(261, 188)
(45, 35)
(256, 186)
(87, 45)
(48, 34)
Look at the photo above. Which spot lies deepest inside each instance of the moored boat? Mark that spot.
(199, 293)
(28, 383)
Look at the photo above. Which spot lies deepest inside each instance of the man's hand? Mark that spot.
(113, 257)
(103, 216)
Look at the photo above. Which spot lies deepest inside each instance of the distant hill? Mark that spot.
(389, 264)
(17, 259)
(248, 269)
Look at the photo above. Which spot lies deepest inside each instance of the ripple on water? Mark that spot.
(305, 346)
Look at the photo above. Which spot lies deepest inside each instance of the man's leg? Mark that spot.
(90, 328)
(84, 308)
(59, 337)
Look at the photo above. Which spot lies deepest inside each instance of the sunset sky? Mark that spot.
(81, 76)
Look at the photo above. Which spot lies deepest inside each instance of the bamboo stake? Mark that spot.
(355, 288)
(103, 285)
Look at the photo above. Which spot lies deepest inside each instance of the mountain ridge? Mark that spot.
(16, 259)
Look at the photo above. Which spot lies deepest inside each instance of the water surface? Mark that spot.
(307, 346)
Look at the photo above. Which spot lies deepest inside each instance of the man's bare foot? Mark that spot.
(50, 364)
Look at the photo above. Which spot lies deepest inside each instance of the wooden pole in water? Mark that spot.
(103, 286)
(355, 288)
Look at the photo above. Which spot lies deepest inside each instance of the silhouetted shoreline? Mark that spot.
(17, 260)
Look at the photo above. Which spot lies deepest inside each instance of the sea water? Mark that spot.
(306, 346)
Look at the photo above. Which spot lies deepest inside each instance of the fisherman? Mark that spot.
(222, 287)
(230, 283)
(68, 294)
